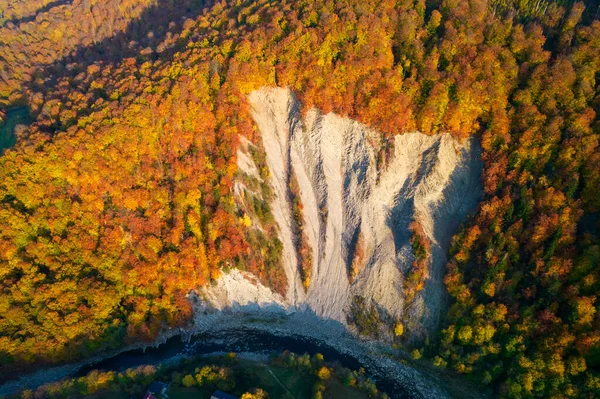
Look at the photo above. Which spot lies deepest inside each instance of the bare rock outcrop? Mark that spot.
(431, 180)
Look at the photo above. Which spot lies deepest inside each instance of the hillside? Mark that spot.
(344, 224)
(330, 149)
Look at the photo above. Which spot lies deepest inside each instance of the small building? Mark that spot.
(222, 395)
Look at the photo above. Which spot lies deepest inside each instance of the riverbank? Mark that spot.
(253, 329)
(284, 375)
(333, 340)
(44, 376)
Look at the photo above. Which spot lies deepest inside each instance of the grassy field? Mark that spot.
(276, 381)
(335, 389)
(14, 117)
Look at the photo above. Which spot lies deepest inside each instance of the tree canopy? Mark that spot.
(118, 201)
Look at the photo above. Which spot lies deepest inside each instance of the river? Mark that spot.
(242, 340)
(262, 333)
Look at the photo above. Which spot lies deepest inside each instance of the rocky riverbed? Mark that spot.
(256, 331)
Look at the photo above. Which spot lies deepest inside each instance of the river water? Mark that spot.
(244, 340)
(261, 333)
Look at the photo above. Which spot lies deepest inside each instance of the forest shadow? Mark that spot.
(33, 16)
(165, 18)
(402, 214)
(465, 192)
(141, 40)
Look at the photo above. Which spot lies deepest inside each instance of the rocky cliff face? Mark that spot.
(347, 202)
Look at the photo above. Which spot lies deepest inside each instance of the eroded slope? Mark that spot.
(430, 181)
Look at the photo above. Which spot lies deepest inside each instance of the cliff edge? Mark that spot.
(360, 220)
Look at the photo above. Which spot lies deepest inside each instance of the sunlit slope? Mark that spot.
(119, 200)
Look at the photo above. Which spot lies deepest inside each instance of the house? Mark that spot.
(222, 395)
(156, 389)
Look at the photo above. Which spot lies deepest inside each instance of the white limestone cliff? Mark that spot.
(434, 180)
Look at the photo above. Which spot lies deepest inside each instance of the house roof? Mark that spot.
(222, 395)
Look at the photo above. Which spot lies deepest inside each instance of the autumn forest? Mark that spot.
(117, 200)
